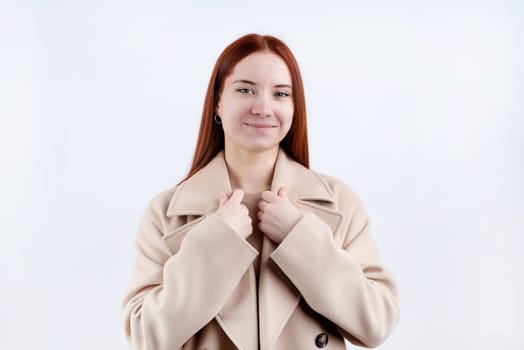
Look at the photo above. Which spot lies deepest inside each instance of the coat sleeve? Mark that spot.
(171, 297)
(346, 284)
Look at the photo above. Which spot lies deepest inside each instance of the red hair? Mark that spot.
(211, 135)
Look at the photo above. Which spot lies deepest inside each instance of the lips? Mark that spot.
(260, 126)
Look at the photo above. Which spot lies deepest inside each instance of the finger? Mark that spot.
(236, 196)
(262, 205)
(245, 210)
(223, 198)
(282, 192)
(269, 196)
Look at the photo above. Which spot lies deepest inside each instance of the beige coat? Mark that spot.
(193, 284)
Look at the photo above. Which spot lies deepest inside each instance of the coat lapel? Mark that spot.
(238, 316)
(278, 297)
(198, 196)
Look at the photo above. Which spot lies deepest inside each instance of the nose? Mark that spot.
(262, 106)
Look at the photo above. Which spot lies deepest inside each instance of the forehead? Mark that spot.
(261, 67)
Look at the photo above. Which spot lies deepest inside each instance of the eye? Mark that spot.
(246, 91)
(281, 94)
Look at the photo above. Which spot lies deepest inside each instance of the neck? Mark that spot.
(250, 171)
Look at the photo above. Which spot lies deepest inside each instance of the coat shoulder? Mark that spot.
(344, 193)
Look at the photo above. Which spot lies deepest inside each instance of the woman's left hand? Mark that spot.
(277, 215)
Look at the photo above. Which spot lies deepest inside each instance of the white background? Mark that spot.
(418, 106)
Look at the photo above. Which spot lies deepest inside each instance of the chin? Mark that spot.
(253, 144)
(261, 147)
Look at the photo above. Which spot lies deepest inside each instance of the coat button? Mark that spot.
(321, 340)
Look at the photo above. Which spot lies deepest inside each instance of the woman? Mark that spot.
(252, 250)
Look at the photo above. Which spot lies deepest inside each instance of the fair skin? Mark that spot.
(256, 109)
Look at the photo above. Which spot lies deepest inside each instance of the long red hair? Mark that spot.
(211, 135)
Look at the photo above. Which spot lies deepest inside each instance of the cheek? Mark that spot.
(287, 116)
(235, 109)
(232, 116)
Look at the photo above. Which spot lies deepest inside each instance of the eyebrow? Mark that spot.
(249, 82)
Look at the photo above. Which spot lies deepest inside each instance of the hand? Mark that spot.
(277, 215)
(235, 214)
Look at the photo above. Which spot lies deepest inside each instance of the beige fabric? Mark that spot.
(251, 201)
(193, 284)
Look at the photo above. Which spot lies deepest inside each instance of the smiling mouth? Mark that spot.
(260, 126)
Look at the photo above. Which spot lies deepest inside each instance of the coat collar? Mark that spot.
(200, 194)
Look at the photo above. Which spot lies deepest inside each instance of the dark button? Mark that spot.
(321, 340)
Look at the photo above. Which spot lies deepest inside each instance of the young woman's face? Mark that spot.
(256, 104)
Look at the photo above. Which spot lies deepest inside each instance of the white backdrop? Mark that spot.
(418, 107)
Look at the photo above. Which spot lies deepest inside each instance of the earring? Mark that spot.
(217, 119)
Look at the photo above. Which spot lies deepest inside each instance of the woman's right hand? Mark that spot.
(234, 213)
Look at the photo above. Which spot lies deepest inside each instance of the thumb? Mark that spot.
(237, 196)
(223, 198)
(282, 192)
